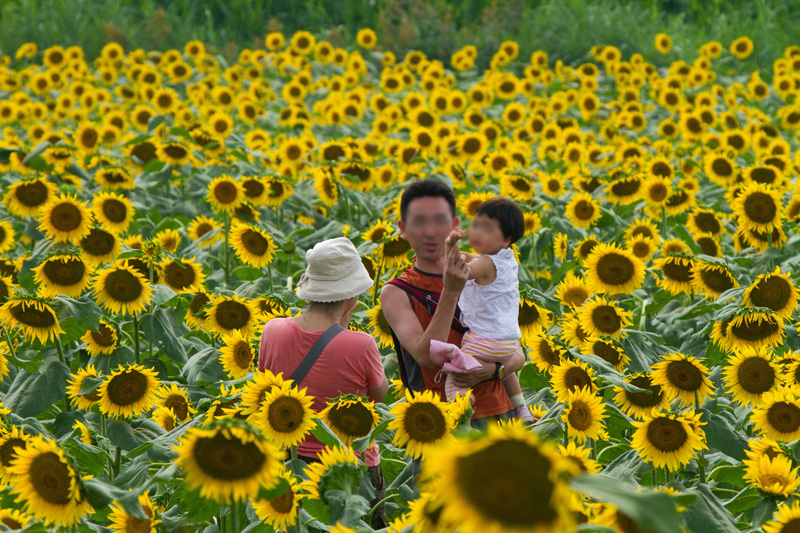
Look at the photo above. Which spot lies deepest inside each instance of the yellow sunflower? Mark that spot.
(676, 273)
(87, 400)
(182, 276)
(65, 219)
(603, 317)
(785, 520)
(62, 273)
(774, 475)
(33, 316)
(122, 521)
(255, 390)
(774, 291)
(350, 417)
(47, 485)
(758, 208)
(582, 210)
(113, 211)
(421, 422)
(26, 197)
(237, 356)
(99, 247)
(129, 391)
(778, 415)
(712, 279)
(639, 404)
(252, 245)
(611, 269)
(228, 464)
(571, 376)
(379, 327)
(544, 352)
(525, 493)
(337, 462)
(573, 290)
(748, 329)
(225, 194)
(750, 374)
(608, 349)
(11, 440)
(165, 418)
(285, 416)
(281, 511)
(532, 319)
(668, 440)
(227, 314)
(7, 241)
(121, 289)
(584, 415)
(175, 399)
(203, 225)
(683, 377)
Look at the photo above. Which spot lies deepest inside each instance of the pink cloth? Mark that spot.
(350, 364)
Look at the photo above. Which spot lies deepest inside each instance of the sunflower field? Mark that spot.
(157, 206)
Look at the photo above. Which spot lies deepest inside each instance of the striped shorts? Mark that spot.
(481, 348)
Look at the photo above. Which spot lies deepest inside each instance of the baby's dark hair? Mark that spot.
(508, 213)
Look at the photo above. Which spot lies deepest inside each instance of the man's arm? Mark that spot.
(470, 379)
(404, 322)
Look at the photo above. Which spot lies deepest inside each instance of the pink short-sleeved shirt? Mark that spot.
(350, 364)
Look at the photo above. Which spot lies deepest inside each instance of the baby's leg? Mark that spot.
(452, 391)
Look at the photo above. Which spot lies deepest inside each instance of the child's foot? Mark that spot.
(521, 412)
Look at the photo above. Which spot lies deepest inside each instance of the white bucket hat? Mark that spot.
(334, 272)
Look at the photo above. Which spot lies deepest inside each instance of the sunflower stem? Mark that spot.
(136, 338)
(664, 222)
(269, 273)
(64, 362)
(535, 262)
(227, 255)
(10, 344)
(117, 461)
(237, 519)
(377, 280)
(347, 205)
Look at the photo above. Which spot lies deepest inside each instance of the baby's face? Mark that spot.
(485, 235)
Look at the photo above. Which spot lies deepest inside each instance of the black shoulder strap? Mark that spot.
(313, 354)
(429, 299)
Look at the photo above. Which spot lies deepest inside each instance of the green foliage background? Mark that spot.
(564, 28)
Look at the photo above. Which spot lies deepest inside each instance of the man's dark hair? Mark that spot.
(508, 213)
(429, 187)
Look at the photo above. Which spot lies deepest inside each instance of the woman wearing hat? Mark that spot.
(349, 362)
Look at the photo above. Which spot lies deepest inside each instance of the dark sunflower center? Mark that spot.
(242, 355)
(755, 375)
(50, 478)
(396, 248)
(509, 483)
(114, 210)
(255, 243)
(228, 459)
(225, 192)
(66, 217)
(98, 242)
(175, 151)
(606, 319)
(642, 399)
(64, 272)
(673, 269)
(286, 414)
(607, 352)
(586, 248)
(198, 302)
(123, 286)
(773, 292)
(615, 269)
(283, 503)
(31, 194)
(626, 187)
(666, 435)
(580, 416)
(354, 419)
(8, 451)
(722, 167)
(178, 405)
(28, 315)
(548, 354)
(276, 189)
(104, 336)
(784, 417)
(424, 422)
(179, 276)
(253, 188)
(684, 376)
(707, 222)
(584, 210)
(760, 207)
(754, 330)
(577, 378)
(528, 315)
(677, 199)
(294, 152)
(127, 388)
(576, 295)
(716, 279)
(708, 245)
(658, 192)
(89, 137)
(232, 315)
(661, 169)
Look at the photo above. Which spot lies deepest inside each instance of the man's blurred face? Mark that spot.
(427, 225)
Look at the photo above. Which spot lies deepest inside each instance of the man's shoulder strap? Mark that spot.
(429, 299)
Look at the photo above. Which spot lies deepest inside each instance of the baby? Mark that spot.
(490, 300)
